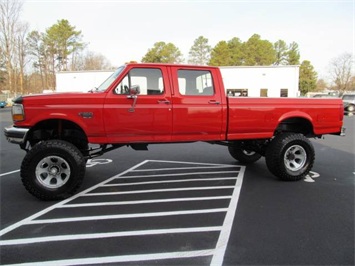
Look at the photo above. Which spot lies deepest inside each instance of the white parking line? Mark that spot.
(168, 181)
(134, 202)
(124, 216)
(9, 173)
(155, 191)
(221, 176)
(108, 235)
(124, 258)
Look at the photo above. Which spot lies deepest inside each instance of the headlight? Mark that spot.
(18, 113)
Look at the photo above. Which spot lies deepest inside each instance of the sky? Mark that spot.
(124, 30)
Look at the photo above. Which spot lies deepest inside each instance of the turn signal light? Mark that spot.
(18, 113)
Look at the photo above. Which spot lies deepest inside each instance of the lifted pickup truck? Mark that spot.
(141, 104)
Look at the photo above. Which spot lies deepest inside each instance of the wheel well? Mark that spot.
(296, 125)
(58, 129)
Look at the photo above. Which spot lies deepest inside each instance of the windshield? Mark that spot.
(110, 79)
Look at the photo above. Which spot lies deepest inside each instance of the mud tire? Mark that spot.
(53, 170)
(290, 156)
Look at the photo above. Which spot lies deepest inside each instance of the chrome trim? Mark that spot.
(16, 135)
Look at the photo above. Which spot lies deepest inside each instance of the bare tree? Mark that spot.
(21, 53)
(95, 61)
(9, 18)
(341, 71)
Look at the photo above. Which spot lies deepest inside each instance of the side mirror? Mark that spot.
(134, 90)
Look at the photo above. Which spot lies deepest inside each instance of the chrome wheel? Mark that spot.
(295, 158)
(52, 172)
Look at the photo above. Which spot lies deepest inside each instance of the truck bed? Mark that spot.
(250, 118)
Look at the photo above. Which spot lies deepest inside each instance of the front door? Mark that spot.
(139, 109)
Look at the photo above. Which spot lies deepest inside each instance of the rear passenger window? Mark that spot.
(148, 81)
(195, 82)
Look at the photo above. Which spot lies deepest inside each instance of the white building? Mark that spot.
(251, 81)
(80, 81)
(261, 81)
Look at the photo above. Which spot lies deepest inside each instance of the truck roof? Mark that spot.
(169, 65)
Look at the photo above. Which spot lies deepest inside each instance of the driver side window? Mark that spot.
(123, 87)
(145, 81)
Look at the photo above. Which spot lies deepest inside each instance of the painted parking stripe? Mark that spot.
(141, 202)
(122, 258)
(207, 172)
(123, 216)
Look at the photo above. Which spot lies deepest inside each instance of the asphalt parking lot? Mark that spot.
(184, 204)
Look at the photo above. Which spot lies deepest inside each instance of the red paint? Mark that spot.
(175, 117)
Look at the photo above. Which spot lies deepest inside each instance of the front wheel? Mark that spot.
(53, 170)
(290, 156)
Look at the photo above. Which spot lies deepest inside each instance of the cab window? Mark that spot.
(195, 82)
(145, 81)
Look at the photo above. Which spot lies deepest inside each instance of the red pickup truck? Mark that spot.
(141, 104)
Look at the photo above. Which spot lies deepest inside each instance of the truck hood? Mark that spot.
(61, 98)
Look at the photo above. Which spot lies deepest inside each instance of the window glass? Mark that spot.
(237, 92)
(110, 79)
(147, 81)
(263, 92)
(284, 93)
(195, 82)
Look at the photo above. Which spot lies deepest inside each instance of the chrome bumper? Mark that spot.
(16, 135)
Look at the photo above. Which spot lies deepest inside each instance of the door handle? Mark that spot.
(213, 102)
(163, 101)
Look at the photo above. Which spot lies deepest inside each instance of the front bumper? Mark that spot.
(16, 135)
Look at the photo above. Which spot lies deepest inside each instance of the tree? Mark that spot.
(21, 53)
(200, 51)
(9, 21)
(2, 69)
(321, 85)
(235, 47)
(281, 52)
(308, 78)
(93, 61)
(293, 54)
(258, 52)
(352, 83)
(163, 53)
(220, 54)
(62, 40)
(340, 71)
(38, 51)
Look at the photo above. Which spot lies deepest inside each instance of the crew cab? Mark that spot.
(142, 104)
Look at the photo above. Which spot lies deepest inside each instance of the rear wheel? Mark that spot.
(243, 155)
(53, 170)
(290, 156)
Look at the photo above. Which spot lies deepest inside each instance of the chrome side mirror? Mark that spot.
(134, 90)
(133, 94)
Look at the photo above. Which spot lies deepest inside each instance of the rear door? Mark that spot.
(198, 112)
